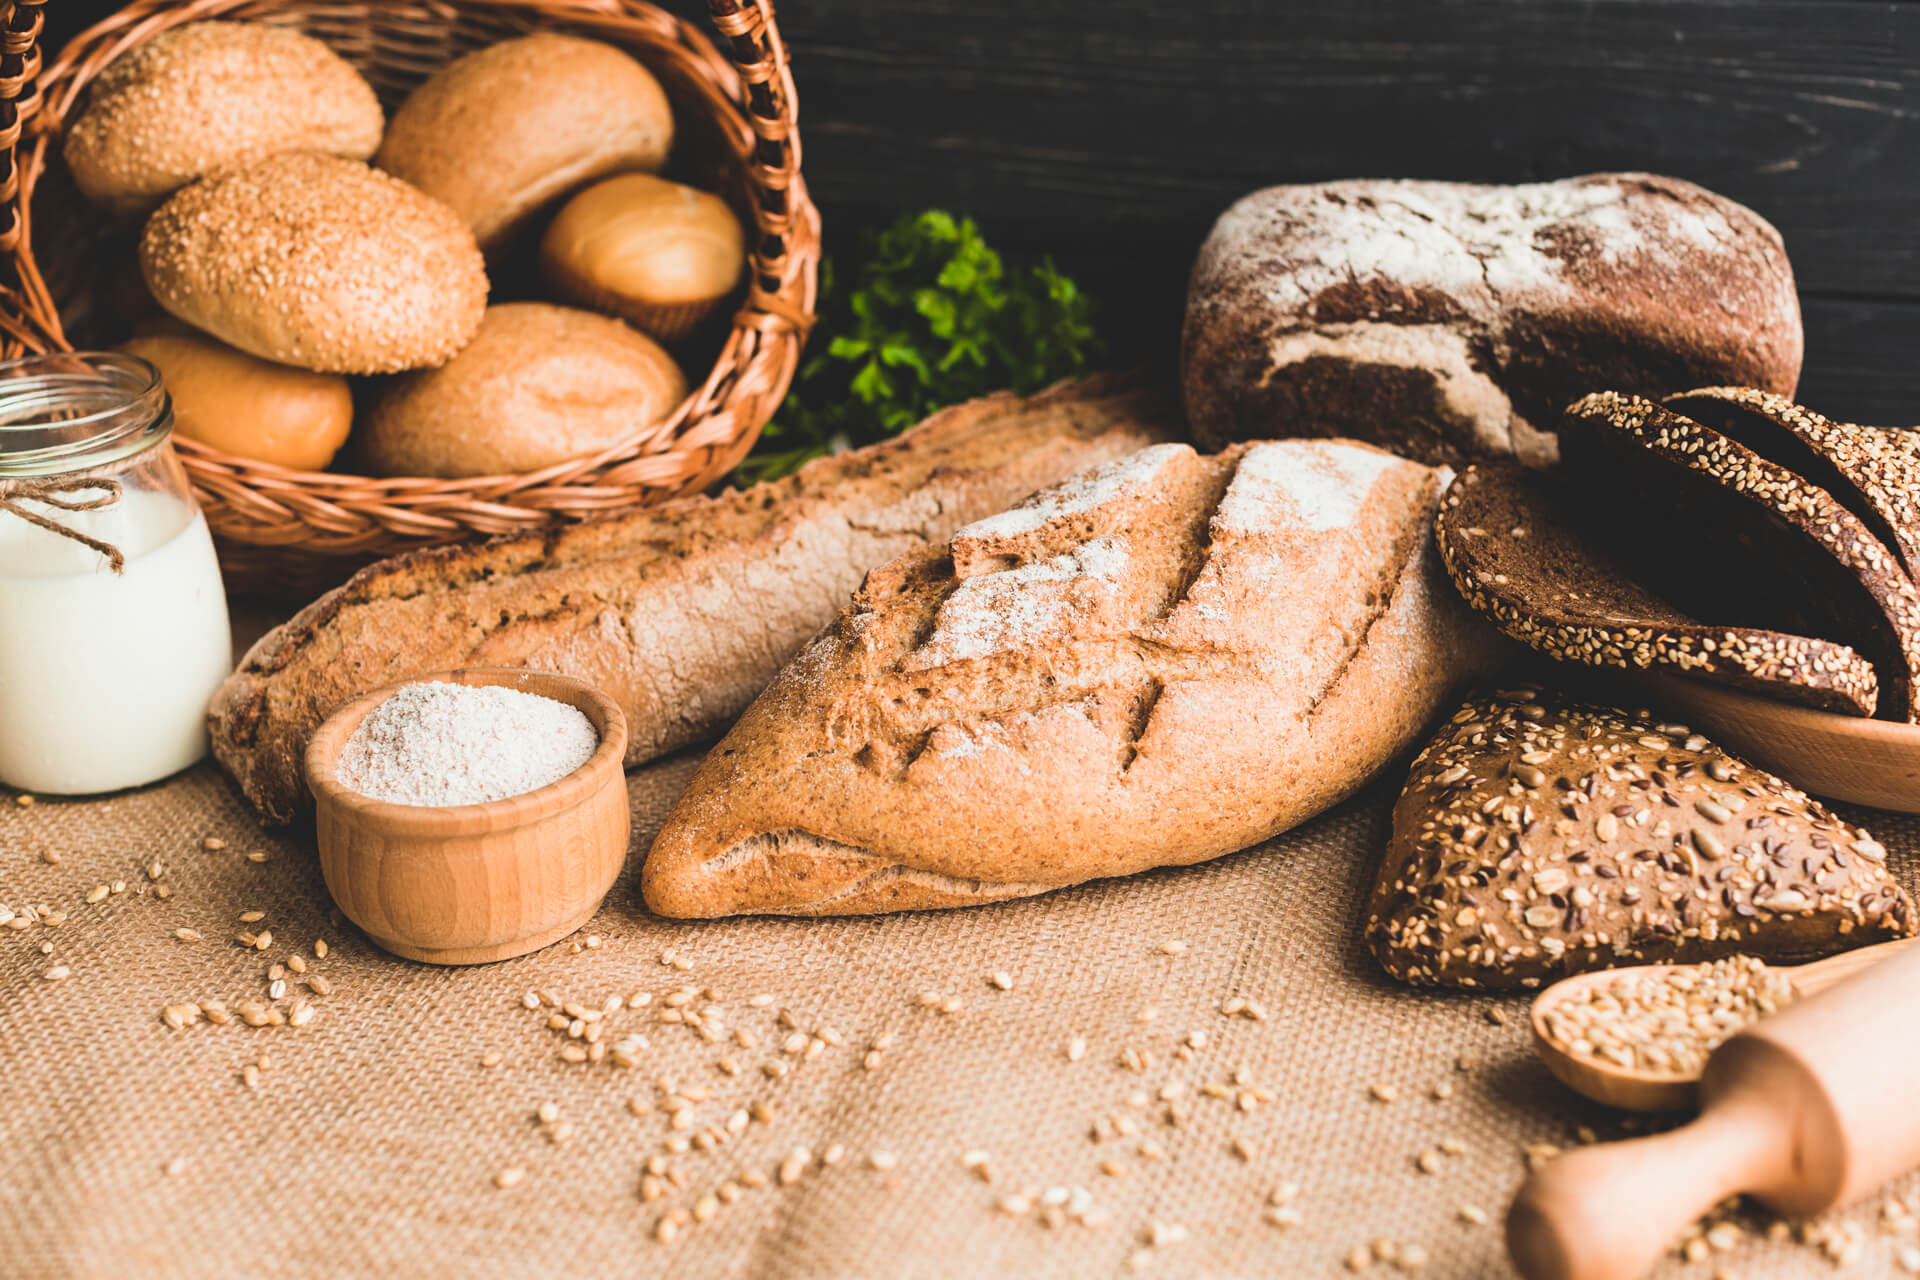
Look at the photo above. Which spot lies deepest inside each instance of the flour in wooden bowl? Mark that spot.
(449, 744)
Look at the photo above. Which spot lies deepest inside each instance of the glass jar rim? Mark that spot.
(71, 410)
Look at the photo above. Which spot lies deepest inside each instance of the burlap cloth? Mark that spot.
(371, 1142)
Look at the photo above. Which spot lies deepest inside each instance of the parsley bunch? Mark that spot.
(931, 317)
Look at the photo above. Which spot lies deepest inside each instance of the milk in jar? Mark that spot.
(105, 676)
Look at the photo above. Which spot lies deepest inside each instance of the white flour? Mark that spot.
(447, 744)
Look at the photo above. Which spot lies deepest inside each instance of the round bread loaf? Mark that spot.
(249, 407)
(537, 385)
(210, 95)
(501, 132)
(310, 260)
(658, 254)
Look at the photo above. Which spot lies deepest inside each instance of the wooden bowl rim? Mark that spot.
(435, 821)
(1894, 734)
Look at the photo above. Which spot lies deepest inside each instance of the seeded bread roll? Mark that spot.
(1535, 560)
(208, 96)
(1539, 837)
(500, 133)
(1785, 554)
(1449, 321)
(537, 385)
(318, 262)
(680, 612)
(1873, 471)
(1162, 660)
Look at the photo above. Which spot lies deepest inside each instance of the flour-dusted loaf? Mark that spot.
(681, 612)
(1450, 321)
(1539, 836)
(1162, 660)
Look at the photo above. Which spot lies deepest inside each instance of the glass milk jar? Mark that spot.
(113, 623)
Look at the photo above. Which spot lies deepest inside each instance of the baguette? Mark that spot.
(680, 612)
(1162, 660)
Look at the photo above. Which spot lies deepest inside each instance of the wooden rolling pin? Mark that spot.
(1808, 1109)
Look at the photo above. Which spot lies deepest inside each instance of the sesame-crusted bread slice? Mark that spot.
(1165, 659)
(1875, 471)
(1731, 535)
(1527, 557)
(1539, 837)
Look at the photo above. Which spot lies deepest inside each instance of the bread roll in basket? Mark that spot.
(292, 532)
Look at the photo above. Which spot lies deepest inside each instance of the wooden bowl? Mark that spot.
(1867, 762)
(466, 884)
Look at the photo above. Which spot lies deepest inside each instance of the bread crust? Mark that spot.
(207, 96)
(1518, 549)
(1539, 836)
(1450, 321)
(681, 612)
(504, 131)
(1159, 662)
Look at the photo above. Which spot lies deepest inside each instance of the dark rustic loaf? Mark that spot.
(1873, 471)
(1539, 837)
(1546, 568)
(1729, 535)
(1449, 321)
(680, 612)
(1160, 661)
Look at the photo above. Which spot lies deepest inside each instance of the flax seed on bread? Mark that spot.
(681, 612)
(1163, 660)
(206, 96)
(1781, 552)
(314, 261)
(1529, 556)
(1539, 836)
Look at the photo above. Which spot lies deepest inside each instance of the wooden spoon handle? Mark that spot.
(1809, 979)
(1609, 1212)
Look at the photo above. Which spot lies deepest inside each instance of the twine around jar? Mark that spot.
(48, 493)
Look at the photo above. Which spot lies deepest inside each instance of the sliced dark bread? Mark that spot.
(1712, 525)
(1874, 471)
(1539, 837)
(1515, 544)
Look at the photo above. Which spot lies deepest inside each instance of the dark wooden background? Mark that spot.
(1111, 134)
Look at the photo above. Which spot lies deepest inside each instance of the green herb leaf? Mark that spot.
(931, 316)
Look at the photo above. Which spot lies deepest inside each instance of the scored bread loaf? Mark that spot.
(1162, 660)
(1450, 320)
(680, 612)
(1539, 836)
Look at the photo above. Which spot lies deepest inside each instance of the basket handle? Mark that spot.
(755, 46)
(19, 99)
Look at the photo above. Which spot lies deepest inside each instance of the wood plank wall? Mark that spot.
(1112, 134)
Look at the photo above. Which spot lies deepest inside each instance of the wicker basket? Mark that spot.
(293, 533)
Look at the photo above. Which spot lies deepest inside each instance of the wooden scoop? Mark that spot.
(1635, 1090)
(1860, 761)
(1804, 1110)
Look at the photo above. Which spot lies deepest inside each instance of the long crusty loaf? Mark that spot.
(1162, 660)
(682, 612)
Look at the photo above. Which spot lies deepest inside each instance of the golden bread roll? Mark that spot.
(246, 406)
(209, 95)
(537, 385)
(658, 254)
(501, 132)
(310, 260)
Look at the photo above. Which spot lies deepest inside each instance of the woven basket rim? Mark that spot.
(748, 89)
